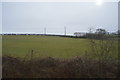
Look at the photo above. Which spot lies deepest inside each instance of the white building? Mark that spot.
(79, 34)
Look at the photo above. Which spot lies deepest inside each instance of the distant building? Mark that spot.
(79, 34)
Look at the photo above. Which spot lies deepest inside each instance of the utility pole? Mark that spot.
(45, 31)
(65, 29)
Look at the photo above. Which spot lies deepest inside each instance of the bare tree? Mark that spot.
(102, 47)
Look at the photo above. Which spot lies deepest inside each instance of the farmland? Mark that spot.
(21, 45)
(55, 57)
(45, 46)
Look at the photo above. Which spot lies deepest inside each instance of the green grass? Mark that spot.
(45, 46)
(20, 45)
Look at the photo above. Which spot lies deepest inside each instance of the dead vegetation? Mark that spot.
(77, 67)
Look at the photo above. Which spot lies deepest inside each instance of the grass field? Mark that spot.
(44, 46)
(51, 50)
(20, 45)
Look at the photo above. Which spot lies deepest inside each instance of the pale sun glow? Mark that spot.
(99, 2)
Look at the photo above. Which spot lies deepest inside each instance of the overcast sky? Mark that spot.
(77, 17)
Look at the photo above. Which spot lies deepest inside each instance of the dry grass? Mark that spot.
(77, 67)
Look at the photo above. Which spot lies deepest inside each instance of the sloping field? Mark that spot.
(50, 64)
(43, 46)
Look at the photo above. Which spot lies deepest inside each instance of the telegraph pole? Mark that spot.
(45, 31)
(65, 29)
